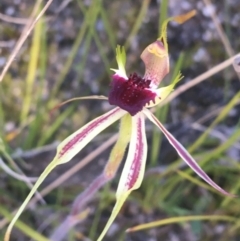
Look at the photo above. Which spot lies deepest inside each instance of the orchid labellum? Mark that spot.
(133, 95)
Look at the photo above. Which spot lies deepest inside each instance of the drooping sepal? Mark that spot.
(184, 154)
(134, 167)
(179, 19)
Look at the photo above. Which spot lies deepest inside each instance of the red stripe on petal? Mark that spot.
(137, 161)
(89, 128)
(133, 171)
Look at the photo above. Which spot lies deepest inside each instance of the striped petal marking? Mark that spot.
(68, 148)
(184, 154)
(133, 171)
(79, 139)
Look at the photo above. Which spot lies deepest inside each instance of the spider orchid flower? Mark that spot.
(132, 95)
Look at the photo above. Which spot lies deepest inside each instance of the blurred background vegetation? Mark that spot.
(68, 54)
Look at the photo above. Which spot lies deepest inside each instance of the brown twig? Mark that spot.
(211, 114)
(6, 44)
(200, 78)
(10, 19)
(16, 175)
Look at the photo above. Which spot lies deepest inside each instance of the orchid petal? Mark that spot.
(134, 167)
(68, 149)
(121, 61)
(119, 148)
(75, 142)
(111, 167)
(162, 93)
(183, 153)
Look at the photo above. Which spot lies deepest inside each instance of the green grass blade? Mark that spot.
(183, 219)
(37, 123)
(219, 118)
(137, 23)
(55, 126)
(24, 228)
(89, 17)
(32, 70)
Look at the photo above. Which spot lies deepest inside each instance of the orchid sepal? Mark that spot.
(184, 154)
(119, 148)
(117, 207)
(133, 171)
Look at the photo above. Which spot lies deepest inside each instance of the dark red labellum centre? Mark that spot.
(132, 94)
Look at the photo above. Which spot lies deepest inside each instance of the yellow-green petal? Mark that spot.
(119, 148)
(121, 61)
(162, 93)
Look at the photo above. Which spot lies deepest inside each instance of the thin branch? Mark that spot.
(9, 19)
(27, 30)
(15, 175)
(62, 6)
(34, 152)
(18, 169)
(211, 114)
(200, 78)
(236, 64)
(214, 133)
(221, 33)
